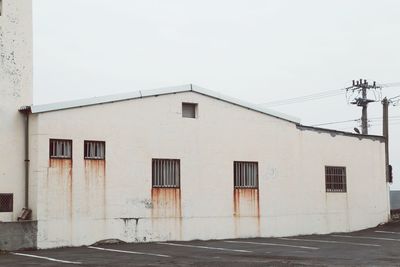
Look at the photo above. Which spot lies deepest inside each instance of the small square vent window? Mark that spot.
(189, 110)
(6, 202)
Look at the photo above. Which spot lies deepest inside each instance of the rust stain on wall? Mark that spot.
(61, 164)
(166, 202)
(64, 169)
(59, 182)
(95, 168)
(166, 212)
(246, 204)
(95, 188)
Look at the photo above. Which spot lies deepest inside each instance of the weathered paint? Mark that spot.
(15, 91)
(166, 212)
(246, 208)
(246, 202)
(60, 176)
(95, 188)
(59, 187)
(80, 204)
(166, 202)
(291, 193)
(18, 235)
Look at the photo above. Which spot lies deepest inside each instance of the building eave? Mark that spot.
(158, 92)
(336, 132)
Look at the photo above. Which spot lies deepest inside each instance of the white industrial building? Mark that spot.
(178, 163)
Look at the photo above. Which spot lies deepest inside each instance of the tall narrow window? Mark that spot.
(166, 173)
(1, 7)
(60, 149)
(189, 110)
(335, 179)
(245, 174)
(95, 150)
(6, 202)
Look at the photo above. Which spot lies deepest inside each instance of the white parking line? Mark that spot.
(368, 237)
(130, 252)
(271, 244)
(387, 232)
(204, 247)
(331, 241)
(46, 258)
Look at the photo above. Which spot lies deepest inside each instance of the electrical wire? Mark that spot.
(395, 84)
(392, 118)
(334, 122)
(380, 124)
(310, 97)
(320, 95)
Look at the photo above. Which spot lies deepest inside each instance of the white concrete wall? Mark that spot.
(82, 204)
(15, 91)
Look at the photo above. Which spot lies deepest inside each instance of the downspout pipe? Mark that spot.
(26, 111)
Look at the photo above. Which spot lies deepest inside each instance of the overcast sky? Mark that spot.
(258, 51)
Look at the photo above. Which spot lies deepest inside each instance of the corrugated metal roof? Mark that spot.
(156, 92)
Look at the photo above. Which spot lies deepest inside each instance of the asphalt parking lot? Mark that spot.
(378, 246)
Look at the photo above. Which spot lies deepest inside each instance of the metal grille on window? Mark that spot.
(95, 150)
(6, 202)
(60, 148)
(166, 173)
(245, 174)
(335, 178)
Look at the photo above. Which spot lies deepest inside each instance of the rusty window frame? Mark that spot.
(335, 179)
(192, 107)
(245, 174)
(166, 173)
(6, 202)
(55, 145)
(94, 150)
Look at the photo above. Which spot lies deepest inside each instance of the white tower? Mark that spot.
(15, 91)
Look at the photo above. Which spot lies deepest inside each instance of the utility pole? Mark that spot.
(363, 101)
(364, 116)
(385, 105)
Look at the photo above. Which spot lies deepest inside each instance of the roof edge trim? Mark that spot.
(156, 92)
(336, 132)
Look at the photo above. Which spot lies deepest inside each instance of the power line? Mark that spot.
(380, 124)
(370, 125)
(394, 97)
(394, 118)
(334, 122)
(316, 96)
(395, 84)
(310, 97)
